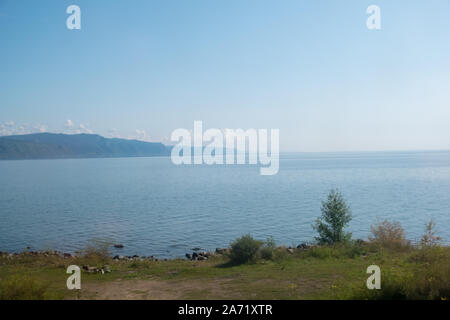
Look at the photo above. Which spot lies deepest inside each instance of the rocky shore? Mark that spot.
(196, 255)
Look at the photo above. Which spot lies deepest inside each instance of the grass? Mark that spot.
(22, 288)
(326, 272)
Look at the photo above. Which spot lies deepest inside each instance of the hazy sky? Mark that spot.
(140, 69)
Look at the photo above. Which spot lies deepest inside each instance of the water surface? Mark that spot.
(156, 208)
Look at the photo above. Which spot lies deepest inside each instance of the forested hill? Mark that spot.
(55, 146)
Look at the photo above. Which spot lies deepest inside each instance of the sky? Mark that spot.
(312, 69)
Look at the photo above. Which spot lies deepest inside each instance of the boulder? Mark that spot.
(302, 246)
(221, 250)
(90, 269)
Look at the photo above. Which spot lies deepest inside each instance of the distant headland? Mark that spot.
(66, 146)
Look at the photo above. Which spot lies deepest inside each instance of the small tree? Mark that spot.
(429, 238)
(335, 217)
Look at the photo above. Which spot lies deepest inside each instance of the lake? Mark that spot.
(153, 207)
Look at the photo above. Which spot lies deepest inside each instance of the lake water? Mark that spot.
(156, 208)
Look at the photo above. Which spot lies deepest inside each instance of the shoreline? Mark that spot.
(316, 272)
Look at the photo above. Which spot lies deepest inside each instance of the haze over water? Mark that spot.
(153, 207)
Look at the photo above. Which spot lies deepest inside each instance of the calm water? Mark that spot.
(156, 208)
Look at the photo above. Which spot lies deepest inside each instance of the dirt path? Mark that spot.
(156, 289)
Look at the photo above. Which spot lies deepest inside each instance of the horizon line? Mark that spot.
(284, 151)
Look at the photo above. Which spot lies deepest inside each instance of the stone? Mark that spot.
(221, 250)
(302, 246)
(118, 246)
(90, 269)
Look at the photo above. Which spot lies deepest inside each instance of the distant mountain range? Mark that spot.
(59, 146)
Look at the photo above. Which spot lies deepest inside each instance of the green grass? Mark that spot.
(335, 272)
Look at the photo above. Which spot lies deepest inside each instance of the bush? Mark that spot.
(431, 255)
(431, 283)
(388, 234)
(429, 239)
(392, 288)
(335, 217)
(267, 251)
(429, 279)
(22, 288)
(337, 251)
(244, 249)
(96, 253)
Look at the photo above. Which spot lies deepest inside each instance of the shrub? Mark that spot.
(335, 217)
(429, 238)
(22, 288)
(337, 251)
(322, 252)
(430, 283)
(429, 279)
(97, 249)
(267, 251)
(96, 253)
(244, 249)
(388, 234)
(392, 288)
(431, 255)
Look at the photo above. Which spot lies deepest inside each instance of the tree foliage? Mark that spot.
(335, 217)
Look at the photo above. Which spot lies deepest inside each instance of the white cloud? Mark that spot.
(141, 135)
(11, 128)
(71, 128)
(69, 124)
(84, 129)
(42, 128)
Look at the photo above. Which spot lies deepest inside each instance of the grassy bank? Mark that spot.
(334, 268)
(321, 272)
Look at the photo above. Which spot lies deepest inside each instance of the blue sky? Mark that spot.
(140, 69)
